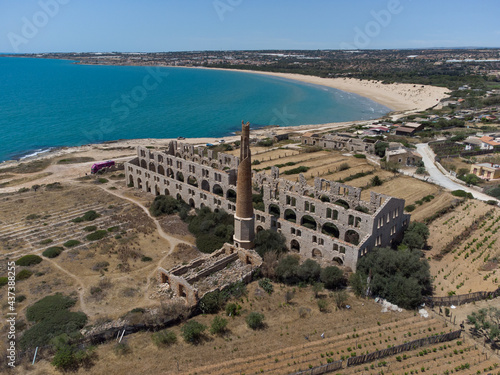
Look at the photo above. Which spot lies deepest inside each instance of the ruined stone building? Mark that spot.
(340, 142)
(328, 220)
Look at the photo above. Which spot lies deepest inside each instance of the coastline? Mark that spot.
(401, 98)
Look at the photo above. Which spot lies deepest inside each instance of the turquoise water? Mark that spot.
(53, 103)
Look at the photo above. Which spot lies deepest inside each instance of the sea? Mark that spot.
(49, 103)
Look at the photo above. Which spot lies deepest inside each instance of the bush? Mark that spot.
(33, 217)
(77, 220)
(211, 229)
(97, 235)
(255, 320)
(268, 240)
(410, 208)
(46, 241)
(376, 181)
(212, 302)
(164, 338)
(28, 260)
(300, 169)
(90, 228)
(322, 305)
(146, 259)
(47, 306)
(266, 285)
(401, 277)
(360, 156)
(53, 252)
(23, 275)
(287, 269)
(69, 357)
(102, 180)
(309, 271)
(71, 243)
(4, 280)
(459, 193)
(218, 326)
(420, 170)
(192, 331)
(343, 167)
(90, 215)
(52, 319)
(332, 277)
(166, 205)
(232, 309)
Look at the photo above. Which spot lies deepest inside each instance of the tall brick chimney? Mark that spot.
(244, 228)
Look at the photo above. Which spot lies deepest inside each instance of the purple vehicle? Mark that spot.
(103, 164)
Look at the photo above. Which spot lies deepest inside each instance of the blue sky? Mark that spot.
(28, 26)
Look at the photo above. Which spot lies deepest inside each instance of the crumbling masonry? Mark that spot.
(328, 221)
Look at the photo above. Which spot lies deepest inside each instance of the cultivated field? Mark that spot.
(469, 263)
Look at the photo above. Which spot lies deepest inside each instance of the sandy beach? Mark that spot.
(404, 97)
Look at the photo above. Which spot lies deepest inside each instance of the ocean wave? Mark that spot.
(32, 153)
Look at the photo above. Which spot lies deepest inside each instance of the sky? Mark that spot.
(33, 26)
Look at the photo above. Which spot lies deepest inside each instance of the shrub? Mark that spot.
(113, 229)
(97, 235)
(90, 228)
(301, 169)
(71, 243)
(46, 241)
(376, 181)
(102, 180)
(410, 208)
(309, 271)
(192, 331)
(47, 306)
(23, 275)
(343, 167)
(3, 280)
(212, 302)
(268, 240)
(322, 305)
(90, 215)
(255, 320)
(166, 205)
(164, 338)
(121, 348)
(28, 260)
(53, 252)
(287, 269)
(146, 259)
(420, 170)
(218, 326)
(69, 357)
(266, 285)
(459, 193)
(360, 156)
(232, 309)
(77, 220)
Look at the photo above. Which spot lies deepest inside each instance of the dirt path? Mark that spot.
(173, 241)
(81, 290)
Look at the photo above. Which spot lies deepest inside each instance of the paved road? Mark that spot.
(438, 178)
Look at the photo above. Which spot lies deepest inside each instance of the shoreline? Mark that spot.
(400, 98)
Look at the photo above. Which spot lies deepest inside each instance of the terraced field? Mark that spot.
(471, 262)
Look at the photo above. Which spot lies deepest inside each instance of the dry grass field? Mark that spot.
(291, 341)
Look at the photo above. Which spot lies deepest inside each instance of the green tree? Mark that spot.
(376, 181)
(380, 148)
(218, 326)
(486, 322)
(268, 240)
(164, 338)
(255, 320)
(317, 289)
(287, 269)
(401, 277)
(340, 297)
(192, 331)
(332, 277)
(309, 271)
